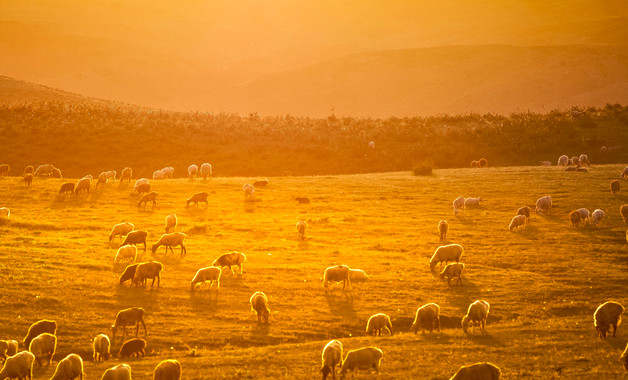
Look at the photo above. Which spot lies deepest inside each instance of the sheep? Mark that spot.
(563, 160)
(67, 187)
(259, 304)
(302, 200)
(128, 317)
(357, 275)
(168, 370)
(111, 175)
(171, 222)
(8, 348)
(575, 161)
(82, 185)
(168, 172)
(148, 270)
(120, 229)
(158, 174)
(458, 204)
(147, 198)
(476, 314)
(452, 270)
(102, 179)
(56, 173)
(249, 191)
(596, 217)
(446, 253)
(4, 213)
(132, 347)
(606, 315)
(546, 163)
(472, 202)
(584, 160)
(126, 253)
(443, 227)
(427, 317)
(614, 187)
(171, 240)
(4, 170)
(361, 359)
(129, 273)
(91, 177)
(332, 356)
(477, 371)
(301, 226)
(135, 238)
(120, 372)
(229, 260)
(101, 345)
(126, 173)
(623, 211)
(43, 346)
(623, 359)
(198, 198)
(39, 327)
(18, 366)
(44, 170)
(138, 183)
(525, 210)
(29, 170)
(260, 183)
(517, 222)
(69, 368)
(483, 162)
(206, 170)
(203, 275)
(624, 173)
(371, 145)
(28, 179)
(474, 164)
(575, 218)
(544, 205)
(337, 274)
(377, 323)
(192, 171)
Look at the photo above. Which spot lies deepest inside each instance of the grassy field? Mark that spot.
(543, 283)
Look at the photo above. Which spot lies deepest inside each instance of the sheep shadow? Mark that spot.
(204, 303)
(260, 330)
(303, 245)
(342, 305)
(483, 338)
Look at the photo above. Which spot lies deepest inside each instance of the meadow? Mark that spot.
(543, 283)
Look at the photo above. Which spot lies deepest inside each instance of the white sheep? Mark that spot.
(148, 270)
(111, 175)
(301, 226)
(203, 275)
(544, 205)
(231, 259)
(596, 217)
(120, 229)
(357, 275)
(476, 314)
(563, 160)
(525, 210)
(126, 253)
(69, 368)
(192, 171)
(446, 253)
(168, 370)
(171, 240)
(458, 204)
(452, 270)
(171, 223)
(102, 346)
(339, 273)
(606, 315)
(377, 323)
(517, 222)
(102, 179)
(259, 304)
(427, 317)
(546, 163)
(44, 170)
(362, 359)
(472, 202)
(477, 371)
(332, 356)
(206, 170)
(249, 191)
(127, 173)
(158, 174)
(18, 366)
(140, 182)
(584, 214)
(584, 160)
(120, 372)
(443, 227)
(5, 213)
(168, 171)
(43, 346)
(82, 185)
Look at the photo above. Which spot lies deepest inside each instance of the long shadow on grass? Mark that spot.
(483, 338)
(341, 304)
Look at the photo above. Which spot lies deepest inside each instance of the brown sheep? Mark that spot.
(142, 189)
(148, 270)
(477, 371)
(133, 347)
(259, 303)
(168, 370)
(474, 164)
(28, 179)
(129, 273)
(525, 210)
(29, 170)
(606, 315)
(134, 238)
(575, 218)
(623, 210)
(67, 187)
(443, 227)
(37, 328)
(614, 187)
(128, 317)
(198, 198)
(483, 162)
(453, 270)
(147, 198)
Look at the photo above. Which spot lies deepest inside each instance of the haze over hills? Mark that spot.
(367, 58)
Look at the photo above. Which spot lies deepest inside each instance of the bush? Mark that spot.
(422, 169)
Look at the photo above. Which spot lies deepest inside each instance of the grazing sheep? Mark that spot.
(249, 191)
(546, 163)
(614, 187)
(171, 240)
(102, 179)
(67, 187)
(302, 200)
(362, 359)
(192, 171)
(427, 317)
(584, 214)
(129, 273)
(56, 173)
(339, 273)
(168, 171)
(69, 368)
(575, 161)
(377, 323)
(147, 198)
(133, 347)
(135, 238)
(452, 270)
(458, 204)
(142, 186)
(483, 162)
(111, 175)
(443, 227)
(29, 170)
(18, 366)
(37, 328)
(544, 205)
(82, 185)
(563, 160)
(209, 274)
(229, 260)
(44, 170)
(4, 170)
(357, 275)
(126, 253)
(8, 348)
(148, 270)
(575, 217)
(171, 222)
(446, 253)
(259, 304)
(28, 179)
(584, 160)
(517, 222)
(5, 213)
(198, 197)
(43, 346)
(206, 170)
(128, 317)
(623, 359)
(472, 202)
(606, 315)
(478, 371)
(623, 211)
(332, 356)
(127, 173)
(474, 164)
(596, 217)
(476, 314)
(101, 346)
(624, 173)
(120, 229)
(301, 226)
(158, 174)
(525, 210)
(120, 372)
(168, 370)
(260, 183)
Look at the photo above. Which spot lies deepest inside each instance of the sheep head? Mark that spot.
(465, 323)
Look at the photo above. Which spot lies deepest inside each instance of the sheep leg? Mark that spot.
(143, 324)
(614, 329)
(158, 279)
(241, 269)
(137, 328)
(152, 283)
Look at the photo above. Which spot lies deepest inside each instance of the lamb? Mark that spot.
(377, 323)
(18, 366)
(260, 183)
(477, 371)
(209, 274)
(452, 270)
(563, 160)
(332, 356)
(44, 170)
(206, 170)
(37, 328)
(198, 197)
(483, 162)
(443, 227)
(249, 191)
(111, 175)
(301, 226)
(127, 173)
(67, 187)
(525, 210)
(5, 213)
(623, 359)
(168, 171)
(623, 211)
(82, 185)
(158, 174)
(458, 205)
(135, 237)
(192, 171)
(168, 370)
(575, 218)
(544, 205)
(171, 240)
(101, 346)
(584, 160)
(102, 179)
(171, 222)
(614, 187)
(357, 275)
(259, 303)
(8, 348)
(476, 314)
(446, 253)
(596, 217)
(128, 317)
(28, 179)
(69, 368)
(120, 372)
(361, 359)
(229, 260)
(606, 315)
(43, 346)
(126, 253)
(624, 173)
(546, 163)
(133, 347)
(129, 273)
(120, 229)
(147, 198)
(148, 270)
(427, 317)
(337, 274)
(29, 170)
